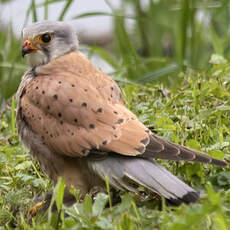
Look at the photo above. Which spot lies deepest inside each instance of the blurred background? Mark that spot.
(135, 41)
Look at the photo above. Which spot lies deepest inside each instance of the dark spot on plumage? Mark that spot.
(72, 134)
(43, 137)
(145, 141)
(73, 85)
(43, 92)
(84, 151)
(104, 142)
(140, 149)
(85, 90)
(71, 100)
(111, 95)
(47, 132)
(48, 107)
(68, 130)
(37, 102)
(114, 127)
(55, 96)
(59, 82)
(91, 126)
(36, 87)
(119, 121)
(61, 122)
(115, 112)
(32, 116)
(84, 104)
(111, 88)
(75, 120)
(51, 135)
(59, 114)
(115, 136)
(99, 110)
(39, 118)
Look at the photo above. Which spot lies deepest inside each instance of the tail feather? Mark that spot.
(126, 173)
(172, 151)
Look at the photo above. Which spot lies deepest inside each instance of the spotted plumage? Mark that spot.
(69, 112)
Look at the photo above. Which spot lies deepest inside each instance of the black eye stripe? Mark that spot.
(46, 38)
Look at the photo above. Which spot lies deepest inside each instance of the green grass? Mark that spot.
(162, 65)
(196, 114)
(167, 36)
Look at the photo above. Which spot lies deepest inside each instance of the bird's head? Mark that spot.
(44, 41)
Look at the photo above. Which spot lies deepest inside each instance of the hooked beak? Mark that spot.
(28, 48)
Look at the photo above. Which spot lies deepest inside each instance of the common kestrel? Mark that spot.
(73, 119)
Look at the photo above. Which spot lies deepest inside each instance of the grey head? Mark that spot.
(46, 40)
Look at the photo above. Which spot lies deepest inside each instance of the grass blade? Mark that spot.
(13, 126)
(46, 9)
(108, 191)
(184, 22)
(216, 41)
(105, 55)
(156, 75)
(101, 13)
(109, 4)
(49, 2)
(65, 10)
(27, 15)
(34, 11)
(141, 24)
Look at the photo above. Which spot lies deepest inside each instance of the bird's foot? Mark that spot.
(38, 206)
(41, 205)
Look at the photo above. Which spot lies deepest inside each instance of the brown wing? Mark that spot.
(76, 108)
(177, 152)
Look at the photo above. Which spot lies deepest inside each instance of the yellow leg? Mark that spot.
(33, 211)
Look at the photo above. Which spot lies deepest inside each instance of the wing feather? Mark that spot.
(79, 108)
(76, 108)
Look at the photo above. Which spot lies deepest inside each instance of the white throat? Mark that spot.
(36, 58)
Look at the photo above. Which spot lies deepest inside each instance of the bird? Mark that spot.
(73, 120)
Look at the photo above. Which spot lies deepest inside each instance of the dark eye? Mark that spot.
(46, 38)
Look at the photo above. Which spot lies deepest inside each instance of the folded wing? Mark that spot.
(76, 108)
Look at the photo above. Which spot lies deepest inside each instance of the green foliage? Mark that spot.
(11, 64)
(165, 37)
(195, 115)
(165, 46)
